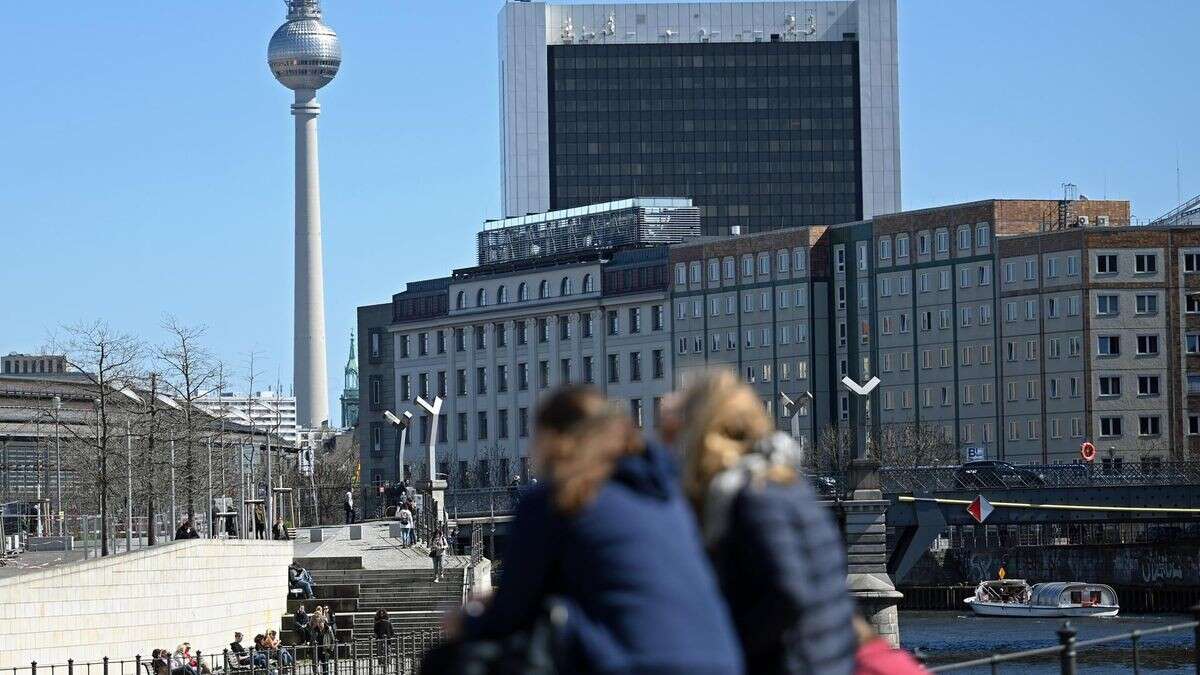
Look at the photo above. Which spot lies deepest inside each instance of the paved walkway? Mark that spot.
(377, 550)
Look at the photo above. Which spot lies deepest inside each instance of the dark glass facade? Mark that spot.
(759, 134)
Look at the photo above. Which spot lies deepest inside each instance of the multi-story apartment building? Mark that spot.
(1021, 328)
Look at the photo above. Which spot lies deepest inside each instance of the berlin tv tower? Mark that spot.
(304, 55)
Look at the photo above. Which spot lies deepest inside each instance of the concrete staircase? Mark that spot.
(413, 602)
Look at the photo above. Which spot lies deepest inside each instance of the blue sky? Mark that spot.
(146, 151)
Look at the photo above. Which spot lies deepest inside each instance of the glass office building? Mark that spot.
(765, 114)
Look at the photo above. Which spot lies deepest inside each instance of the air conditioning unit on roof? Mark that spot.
(1102, 221)
(1083, 221)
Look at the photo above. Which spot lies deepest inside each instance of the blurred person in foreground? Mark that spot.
(608, 535)
(777, 553)
(877, 656)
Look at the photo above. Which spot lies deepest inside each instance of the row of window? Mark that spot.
(435, 342)
(725, 268)
(941, 236)
(751, 301)
(755, 337)
(566, 287)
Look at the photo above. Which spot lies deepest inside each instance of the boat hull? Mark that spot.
(1015, 609)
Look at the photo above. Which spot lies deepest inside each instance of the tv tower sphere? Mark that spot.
(304, 53)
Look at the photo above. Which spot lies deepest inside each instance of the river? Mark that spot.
(948, 637)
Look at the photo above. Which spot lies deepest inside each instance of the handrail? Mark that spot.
(1069, 647)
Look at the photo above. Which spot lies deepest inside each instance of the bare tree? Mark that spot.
(915, 444)
(192, 374)
(109, 361)
(833, 452)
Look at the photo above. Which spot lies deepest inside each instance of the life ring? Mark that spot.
(1087, 451)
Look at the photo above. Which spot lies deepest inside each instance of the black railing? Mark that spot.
(1068, 648)
(895, 480)
(398, 655)
(482, 502)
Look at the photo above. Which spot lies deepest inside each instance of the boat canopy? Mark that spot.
(1058, 593)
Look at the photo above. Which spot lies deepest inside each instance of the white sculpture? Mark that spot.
(610, 25)
(568, 30)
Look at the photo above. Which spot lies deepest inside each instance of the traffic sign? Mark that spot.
(980, 509)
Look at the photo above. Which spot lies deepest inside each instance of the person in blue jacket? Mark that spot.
(777, 552)
(609, 535)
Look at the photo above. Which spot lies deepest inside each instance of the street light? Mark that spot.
(58, 471)
(131, 395)
(793, 409)
(170, 403)
(401, 423)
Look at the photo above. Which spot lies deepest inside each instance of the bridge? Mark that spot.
(925, 501)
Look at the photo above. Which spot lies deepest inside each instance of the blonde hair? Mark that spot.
(723, 420)
(579, 439)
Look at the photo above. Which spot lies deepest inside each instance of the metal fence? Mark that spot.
(956, 478)
(478, 502)
(1068, 647)
(399, 655)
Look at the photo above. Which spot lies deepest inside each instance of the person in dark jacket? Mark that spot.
(609, 536)
(777, 552)
(186, 530)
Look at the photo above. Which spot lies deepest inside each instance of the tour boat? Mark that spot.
(1015, 597)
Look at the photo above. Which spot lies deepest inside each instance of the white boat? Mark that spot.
(1015, 597)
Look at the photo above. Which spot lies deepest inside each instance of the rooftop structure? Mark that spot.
(628, 222)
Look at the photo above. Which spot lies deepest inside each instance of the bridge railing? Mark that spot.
(1068, 648)
(478, 502)
(895, 480)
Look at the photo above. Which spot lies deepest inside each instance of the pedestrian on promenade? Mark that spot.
(303, 627)
(279, 530)
(348, 505)
(610, 539)
(406, 525)
(777, 552)
(437, 551)
(186, 530)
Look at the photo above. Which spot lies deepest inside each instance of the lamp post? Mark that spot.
(794, 409)
(401, 423)
(436, 489)
(62, 531)
(866, 528)
(132, 396)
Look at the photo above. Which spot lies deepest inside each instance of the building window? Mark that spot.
(1147, 304)
(544, 289)
(543, 330)
(1110, 427)
(481, 380)
(588, 375)
(1108, 345)
(543, 374)
(462, 427)
(460, 382)
(481, 298)
(635, 320)
(522, 292)
(566, 287)
(502, 295)
(564, 371)
(522, 333)
(480, 337)
(522, 376)
(1147, 345)
(1148, 385)
(523, 422)
(1106, 264)
(482, 427)
(502, 423)
(1145, 263)
(585, 325)
(588, 285)
(714, 270)
(964, 238)
(659, 367)
(681, 274)
(635, 366)
(614, 370)
(501, 378)
(1191, 262)
(1110, 386)
(564, 327)
(657, 320)
(901, 246)
(885, 248)
(764, 263)
(1149, 425)
(460, 300)
(636, 412)
(982, 235)
(1106, 304)
(614, 322)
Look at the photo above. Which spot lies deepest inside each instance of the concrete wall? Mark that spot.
(200, 591)
(1118, 564)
